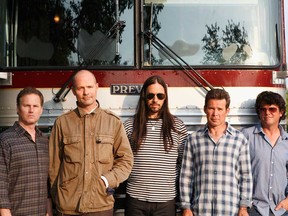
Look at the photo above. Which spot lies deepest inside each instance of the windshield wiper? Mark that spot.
(99, 48)
(197, 78)
(96, 51)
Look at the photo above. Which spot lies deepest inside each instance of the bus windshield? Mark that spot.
(213, 32)
(70, 33)
(66, 33)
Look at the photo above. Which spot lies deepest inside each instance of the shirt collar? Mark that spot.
(22, 131)
(83, 113)
(229, 130)
(283, 134)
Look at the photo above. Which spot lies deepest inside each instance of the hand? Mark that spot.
(187, 212)
(243, 211)
(283, 204)
(49, 208)
(5, 212)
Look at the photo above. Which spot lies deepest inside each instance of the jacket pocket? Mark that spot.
(99, 197)
(68, 194)
(72, 148)
(104, 149)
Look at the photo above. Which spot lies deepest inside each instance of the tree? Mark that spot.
(232, 47)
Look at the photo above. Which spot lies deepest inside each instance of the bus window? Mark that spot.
(213, 32)
(67, 33)
(2, 33)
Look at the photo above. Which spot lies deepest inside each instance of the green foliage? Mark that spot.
(214, 43)
(73, 16)
(212, 47)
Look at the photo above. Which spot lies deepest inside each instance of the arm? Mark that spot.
(283, 204)
(5, 205)
(182, 137)
(55, 157)
(245, 179)
(5, 212)
(186, 176)
(123, 158)
(187, 212)
(243, 211)
(182, 140)
(49, 207)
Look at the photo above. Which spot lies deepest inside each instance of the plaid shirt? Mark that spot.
(23, 172)
(216, 178)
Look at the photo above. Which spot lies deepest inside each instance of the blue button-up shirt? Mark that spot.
(269, 169)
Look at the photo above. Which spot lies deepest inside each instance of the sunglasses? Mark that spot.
(270, 109)
(160, 96)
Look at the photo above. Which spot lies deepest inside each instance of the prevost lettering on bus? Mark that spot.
(125, 89)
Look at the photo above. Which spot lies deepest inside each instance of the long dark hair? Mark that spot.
(141, 117)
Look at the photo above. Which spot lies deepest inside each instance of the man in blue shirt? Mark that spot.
(268, 143)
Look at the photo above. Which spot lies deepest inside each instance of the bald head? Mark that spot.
(83, 73)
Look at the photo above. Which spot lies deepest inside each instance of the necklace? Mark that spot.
(153, 125)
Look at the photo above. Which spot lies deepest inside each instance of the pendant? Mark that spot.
(153, 128)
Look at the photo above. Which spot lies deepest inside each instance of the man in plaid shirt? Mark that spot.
(216, 175)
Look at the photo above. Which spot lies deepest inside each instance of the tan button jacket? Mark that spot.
(83, 147)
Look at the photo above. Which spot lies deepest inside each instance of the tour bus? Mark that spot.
(195, 45)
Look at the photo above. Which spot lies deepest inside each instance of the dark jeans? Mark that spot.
(253, 212)
(134, 207)
(102, 213)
